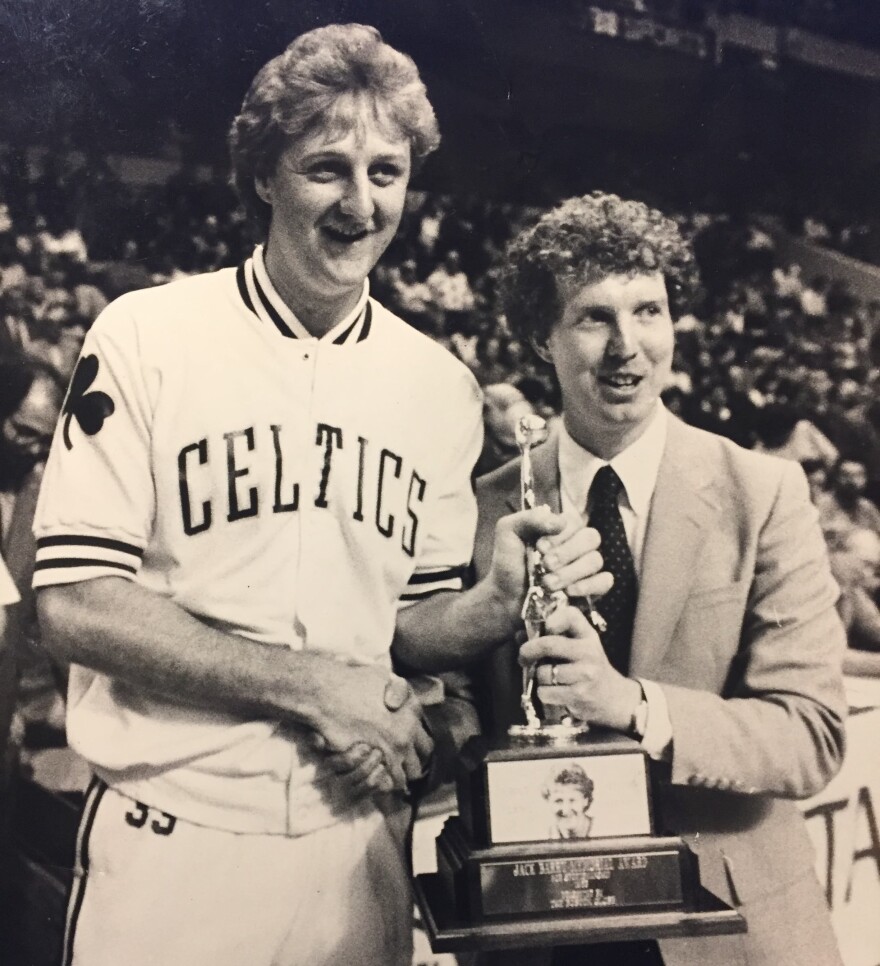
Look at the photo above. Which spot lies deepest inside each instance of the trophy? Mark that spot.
(538, 603)
(555, 840)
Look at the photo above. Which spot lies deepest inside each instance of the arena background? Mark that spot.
(535, 97)
(755, 122)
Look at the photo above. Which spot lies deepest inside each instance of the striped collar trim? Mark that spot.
(261, 297)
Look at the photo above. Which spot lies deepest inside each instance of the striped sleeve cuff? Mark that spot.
(424, 583)
(66, 559)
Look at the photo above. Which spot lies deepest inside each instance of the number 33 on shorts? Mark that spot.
(163, 824)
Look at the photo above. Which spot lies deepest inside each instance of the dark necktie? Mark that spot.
(618, 606)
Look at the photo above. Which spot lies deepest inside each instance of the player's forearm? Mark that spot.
(449, 630)
(118, 628)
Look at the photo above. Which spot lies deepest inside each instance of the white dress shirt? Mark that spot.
(637, 466)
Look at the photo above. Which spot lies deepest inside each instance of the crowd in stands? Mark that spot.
(774, 360)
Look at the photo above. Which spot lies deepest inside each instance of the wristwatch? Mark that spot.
(638, 724)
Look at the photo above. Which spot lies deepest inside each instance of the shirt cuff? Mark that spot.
(657, 740)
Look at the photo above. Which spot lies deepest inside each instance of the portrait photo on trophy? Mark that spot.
(569, 790)
(608, 791)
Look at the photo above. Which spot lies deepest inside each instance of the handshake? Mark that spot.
(401, 748)
(372, 726)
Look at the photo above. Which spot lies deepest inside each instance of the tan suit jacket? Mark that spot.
(736, 621)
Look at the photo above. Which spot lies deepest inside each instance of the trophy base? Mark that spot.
(564, 878)
(555, 843)
(449, 932)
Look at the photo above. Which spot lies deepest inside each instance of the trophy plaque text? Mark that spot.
(560, 828)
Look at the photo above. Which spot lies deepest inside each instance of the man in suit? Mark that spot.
(723, 650)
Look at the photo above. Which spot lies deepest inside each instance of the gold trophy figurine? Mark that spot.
(539, 604)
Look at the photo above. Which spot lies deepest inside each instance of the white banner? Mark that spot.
(844, 824)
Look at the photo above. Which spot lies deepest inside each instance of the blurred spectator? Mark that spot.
(816, 231)
(491, 361)
(430, 223)
(128, 273)
(781, 432)
(871, 445)
(211, 250)
(844, 507)
(855, 561)
(89, 299)
(15, 316)
(816, 472)
(61, 238)
(503, 406)
(465, 347)
(542, 391)
(813, 298)
(30, 402)
(787, 281)
(12, 270)
(411, 298)
(451, 292)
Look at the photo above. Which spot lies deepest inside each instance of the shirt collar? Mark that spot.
(637, 466)
(262, 298)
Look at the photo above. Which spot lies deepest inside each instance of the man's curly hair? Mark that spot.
(582, 241)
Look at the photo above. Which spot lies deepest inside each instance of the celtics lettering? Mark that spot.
(376, 484)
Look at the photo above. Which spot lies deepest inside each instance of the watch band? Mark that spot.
(638, 724)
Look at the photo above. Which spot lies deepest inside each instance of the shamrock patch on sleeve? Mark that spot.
(90, 409)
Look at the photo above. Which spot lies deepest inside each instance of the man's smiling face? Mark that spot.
(612, 350)
(337, 197)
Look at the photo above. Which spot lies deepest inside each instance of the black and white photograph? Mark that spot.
(387, 387)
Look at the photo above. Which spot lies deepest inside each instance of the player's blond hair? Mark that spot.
(319, 82)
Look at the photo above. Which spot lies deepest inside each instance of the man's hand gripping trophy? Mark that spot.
(539, 603)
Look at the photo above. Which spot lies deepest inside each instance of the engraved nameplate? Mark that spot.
(610, 881)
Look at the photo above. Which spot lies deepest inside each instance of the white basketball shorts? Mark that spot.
(153, 890)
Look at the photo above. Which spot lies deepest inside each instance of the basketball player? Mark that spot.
(252, 469)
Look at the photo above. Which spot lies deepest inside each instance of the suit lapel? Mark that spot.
(681, 510)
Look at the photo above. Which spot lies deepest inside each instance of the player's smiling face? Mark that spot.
(612, 350)
(337, 197)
